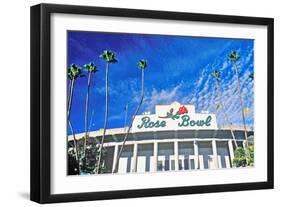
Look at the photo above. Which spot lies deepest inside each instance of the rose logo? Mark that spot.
(182, 110)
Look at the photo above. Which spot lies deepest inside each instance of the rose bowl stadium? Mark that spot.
(174, 138)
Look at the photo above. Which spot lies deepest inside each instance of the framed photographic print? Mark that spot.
(132, 103)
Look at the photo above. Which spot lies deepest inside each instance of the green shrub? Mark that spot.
(240, 159)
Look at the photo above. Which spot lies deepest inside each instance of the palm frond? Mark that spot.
(109, 56)
(216, 74)
(91, 67)
(74, 71)
(251, 76)
(233, 56)
(142, 64)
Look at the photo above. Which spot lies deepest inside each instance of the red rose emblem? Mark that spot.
(182, 110)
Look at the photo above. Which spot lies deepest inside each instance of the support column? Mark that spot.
(135, 153)
(176, 155)
(196, 154)
(155, 156)
(231, 152)
(215, 153)
(244, 144)
(115, 156)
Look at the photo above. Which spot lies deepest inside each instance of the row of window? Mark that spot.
(146, 162)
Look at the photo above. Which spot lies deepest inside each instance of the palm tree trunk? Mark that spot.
(225, 114)
(69, 88)
(75, 146)
(242, 112)
(105, 118)
(131, 124)
(68, 95)
(70, 124)
(86, 113)
(70, 99)
(126, 114)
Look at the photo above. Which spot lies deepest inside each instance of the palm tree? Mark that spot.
(233, 57)
(90, 68)
(216, 75)
(110, 58)
(73, 73)
(142, 64)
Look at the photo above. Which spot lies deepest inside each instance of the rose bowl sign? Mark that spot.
(174, 117)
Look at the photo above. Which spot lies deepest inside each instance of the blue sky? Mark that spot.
(178, 69)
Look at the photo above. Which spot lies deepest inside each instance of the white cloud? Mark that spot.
(161, 97)
(205, 96)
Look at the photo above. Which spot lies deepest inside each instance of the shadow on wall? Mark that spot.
(24, 195)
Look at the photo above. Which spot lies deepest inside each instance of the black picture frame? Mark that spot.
(41, 99)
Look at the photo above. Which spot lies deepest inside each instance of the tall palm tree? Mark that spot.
(90, 68)
(73, 73)
(216, 75)
(110, 58)
(233, 57)
(142, 64)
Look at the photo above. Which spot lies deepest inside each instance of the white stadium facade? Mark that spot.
(174, 138)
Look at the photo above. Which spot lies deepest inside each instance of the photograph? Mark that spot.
(157, 103)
